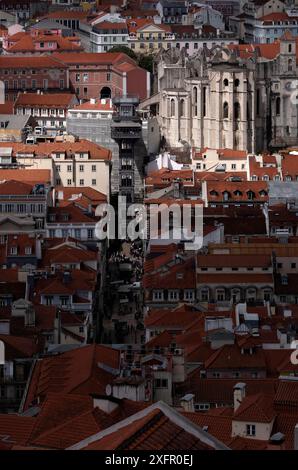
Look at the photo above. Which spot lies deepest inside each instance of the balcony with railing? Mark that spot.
(126, 130)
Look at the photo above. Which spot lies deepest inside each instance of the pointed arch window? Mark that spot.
(277, 106)
(172, 107)
(182, 108)
(195, 100)
(237, 115)
(225, 110)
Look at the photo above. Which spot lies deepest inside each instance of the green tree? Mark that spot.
(146, 62)
(126, 50)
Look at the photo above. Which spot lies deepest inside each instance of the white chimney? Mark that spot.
(296, 437)
(187, 402)
(239, 394)
(2, 92)
(105, 403)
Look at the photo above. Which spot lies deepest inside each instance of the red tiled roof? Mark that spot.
(233, 260)
(255, 408)
(20, 175)
(75, 58)
(67, 254)
(237, 191)
(218, 426)
(30, 62)
(67, 14)
(19, 347)
(154, 431)
(230, 357)
(277, 16)
(99, 105)
(57, 100)
(179, 276)
(15, 429)
(74, 213)
(289, 166)
(73, 372)
(45, 149)
(287, 393)
(268, 51)
(221, 390)
(15, 188)
(179, 317)
(24, 42)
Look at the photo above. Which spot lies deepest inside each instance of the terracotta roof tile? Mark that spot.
(255, 408)
(57, 100)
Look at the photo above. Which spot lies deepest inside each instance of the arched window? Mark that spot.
(195, 100)
(277, 106)
(226, 82)
(237, 82)
(172, 107)
(204, 106)
(258, 101)
(237, 111)
(290, 48)
(290, 65)
(225, 110)
(182, 108)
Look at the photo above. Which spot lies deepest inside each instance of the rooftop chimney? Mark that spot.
(187, 402)
(239, 394)
(105, 403)
(296, 437)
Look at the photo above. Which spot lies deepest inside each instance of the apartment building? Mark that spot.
(32, 73)
(106, 35)
(104, 75)
(49, 110)
(147, 37)
(71, 162)
(40, 42)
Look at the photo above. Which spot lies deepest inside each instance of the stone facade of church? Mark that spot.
(234, 97)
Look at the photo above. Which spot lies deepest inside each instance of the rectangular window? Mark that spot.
(108, 77)
(250, 430)
(93, 182)
(48, 299)
(81, 182)
(93, 168)
(81, 168)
